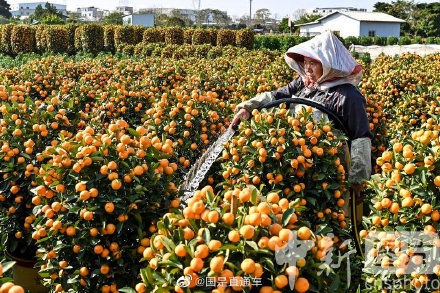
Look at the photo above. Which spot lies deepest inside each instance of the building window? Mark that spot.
(371, 33)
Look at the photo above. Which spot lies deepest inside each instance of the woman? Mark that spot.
(328, 75)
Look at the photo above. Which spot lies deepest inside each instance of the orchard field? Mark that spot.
(93, 149)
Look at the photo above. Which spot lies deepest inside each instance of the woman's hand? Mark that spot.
(242, 114)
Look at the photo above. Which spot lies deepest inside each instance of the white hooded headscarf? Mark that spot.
(338, 65)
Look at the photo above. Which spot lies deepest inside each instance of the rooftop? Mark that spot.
(361, 16)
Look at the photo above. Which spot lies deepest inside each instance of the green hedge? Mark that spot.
(57, 39)
(109, 38)
(89, 38)
(125, 34)
(94, 38)
(22, 39)
(226, 37)
(188, 36)
(174, 35)
(5, 38)
(214, 36)
(153, 35)
(245, 38)
(71, 37)
(201, 36)
(138, 33)
(41, 38)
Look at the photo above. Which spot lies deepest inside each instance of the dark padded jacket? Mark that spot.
(343, 100)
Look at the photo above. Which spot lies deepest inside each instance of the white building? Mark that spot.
(327, 10)
(126, 10)
(91, 13)
(355, 24)
(139, 19)
(26, 9)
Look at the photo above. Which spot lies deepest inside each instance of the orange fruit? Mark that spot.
(116, 184)
(426, 208)
(245, 195)
(247, 231)
(273, 197)
(202, 251)
(16, 289)
(180, 250)
(216, 264)
(255, 219)
(437, 181)
(281, 281)
(196, 264)
(83, 271)
(302, 285)
(109, 207)
(233, 236)
(70, 231)
(285, 234)
(292, 270)
(213, 217)
(248, 266)
(214, 245)
(140, 288)
(105, 269)
(6, 286)
(228, 218)
(304, 233)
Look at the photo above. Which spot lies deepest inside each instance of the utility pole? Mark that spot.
(250, 13)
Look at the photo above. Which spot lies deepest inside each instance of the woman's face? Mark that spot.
(313, 69)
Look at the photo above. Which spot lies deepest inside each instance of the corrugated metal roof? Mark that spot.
(372, 16)
(360, 16)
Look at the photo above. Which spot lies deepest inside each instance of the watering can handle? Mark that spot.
(310, 103)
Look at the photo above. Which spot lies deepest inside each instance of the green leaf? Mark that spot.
(206, 235)
(168, 244)
(229, 246)
(253, 245)
(133, 132)
(287, 215)
(127, 290)
(146, 275)
(8, 265)
(254, 196)
(323, 229)
(209, 196)
(172, 263)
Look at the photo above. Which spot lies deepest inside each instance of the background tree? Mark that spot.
(161, 20)
(427, 19)
(175, 13)
(175, 21)
(420, 19)
(48, 10)
(51, 9)
(261, 16)
(400, 9)
(51, 19)
(74, 17)
(219, 17)
(113, 18)
(4, 9)
(283, 26)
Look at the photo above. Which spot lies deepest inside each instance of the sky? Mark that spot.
(278, 8)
